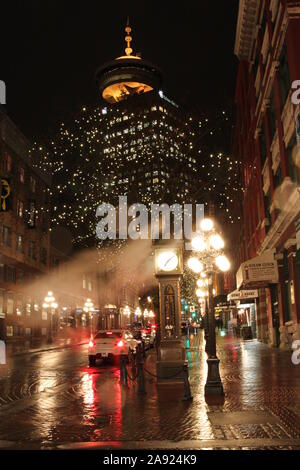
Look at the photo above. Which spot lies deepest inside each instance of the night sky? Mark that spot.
(50, 51)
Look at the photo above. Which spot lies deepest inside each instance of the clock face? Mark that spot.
(167, 261)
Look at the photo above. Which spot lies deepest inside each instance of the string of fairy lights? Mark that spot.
(152, 154)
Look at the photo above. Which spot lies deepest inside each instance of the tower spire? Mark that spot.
(128, 38)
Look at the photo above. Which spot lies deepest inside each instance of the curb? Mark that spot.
(35, 351)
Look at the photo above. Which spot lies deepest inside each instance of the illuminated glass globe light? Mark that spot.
(126, 311)
(138, 312)
(195, 265)
(201, 293)
(198, 243)
(216, 242)
(223, 263)
(206, 225)
(151, 314)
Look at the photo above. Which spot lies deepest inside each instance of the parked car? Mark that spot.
(110, 345)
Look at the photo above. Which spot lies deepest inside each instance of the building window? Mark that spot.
(293, 170)
(20, 208)
(9, 330)
(2, 272)
(1, 301)
(19, 305)
(6, 235)
(32, 184)
(27, 331)
(267, 203)
(43, 256)
(21, 175)
(20, 276)
(10, 303)
(84, 281)
(44, 314)
(272, 116)
(89, 285)
(20, 244)
(11, 274)
(277, 177)
(31, 250)
(32, 214)
(8, 164)
(284, 75)
(263, 145)
(28, 307)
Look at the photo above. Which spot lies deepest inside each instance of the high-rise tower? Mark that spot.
(127, 75)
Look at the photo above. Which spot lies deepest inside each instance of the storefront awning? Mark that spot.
(258, 272)
(242, 294)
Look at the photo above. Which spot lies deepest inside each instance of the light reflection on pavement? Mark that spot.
(51, 398)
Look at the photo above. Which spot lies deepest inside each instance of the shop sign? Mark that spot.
(243, 294)
(259, 270)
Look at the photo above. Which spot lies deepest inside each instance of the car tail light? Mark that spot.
(120, 344)
(153, 327)
(91, 344)
(109, 332)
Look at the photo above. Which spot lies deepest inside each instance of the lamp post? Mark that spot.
(210, 260)
(50, 305)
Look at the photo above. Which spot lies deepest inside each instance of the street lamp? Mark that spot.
(209, 246)
(138, 312)
(50, 304)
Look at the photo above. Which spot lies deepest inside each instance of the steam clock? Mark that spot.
(171, 353)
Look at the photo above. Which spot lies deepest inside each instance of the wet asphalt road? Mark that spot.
(53, 398)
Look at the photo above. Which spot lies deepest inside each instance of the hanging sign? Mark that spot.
(5, 203)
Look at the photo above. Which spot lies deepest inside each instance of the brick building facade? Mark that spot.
(267, 47)
(24, 232)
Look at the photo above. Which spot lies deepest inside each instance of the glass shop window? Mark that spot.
(9, 330)
(10, 303)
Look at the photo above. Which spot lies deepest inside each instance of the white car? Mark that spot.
(110, 344)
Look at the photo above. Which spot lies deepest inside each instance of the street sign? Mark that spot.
(242, 294)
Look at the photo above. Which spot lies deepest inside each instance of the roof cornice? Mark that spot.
(245, 31)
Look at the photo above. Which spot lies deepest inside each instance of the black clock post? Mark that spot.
(171, 352)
